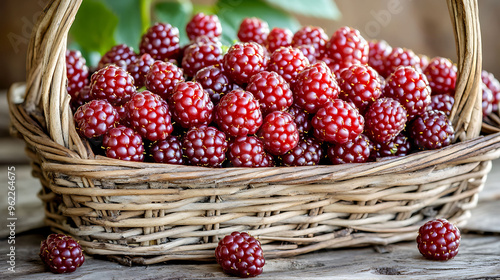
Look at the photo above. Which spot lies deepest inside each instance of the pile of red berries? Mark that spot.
(274, 98)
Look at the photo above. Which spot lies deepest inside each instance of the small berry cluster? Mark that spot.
(275, 98)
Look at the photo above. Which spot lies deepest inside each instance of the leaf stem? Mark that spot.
(145, 6)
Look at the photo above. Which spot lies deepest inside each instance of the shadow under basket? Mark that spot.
(146, 213)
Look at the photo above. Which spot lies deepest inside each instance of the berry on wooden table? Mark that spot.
(438, 240)
(61, 253)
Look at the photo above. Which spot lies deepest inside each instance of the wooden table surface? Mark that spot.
(478, 258)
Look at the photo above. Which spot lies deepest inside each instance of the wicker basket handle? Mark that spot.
(48, 102)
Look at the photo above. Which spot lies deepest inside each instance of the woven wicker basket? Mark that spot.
(145, 213)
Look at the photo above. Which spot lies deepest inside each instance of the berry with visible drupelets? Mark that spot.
(161, 41)
(243, 60)
(379, 51)
(301, 119)
(139, 68)
(354, 151)
(113, 84)
(279, 133)
(278, 37)
(95, 118)
(246, 151)
(442, 102)
(307, 152)
(271, 90)
(438, 239)
(311, 35)
(253, 30)
(163, 77)
(205, 146)
(61, 253)
(168, 151)
(190, 105)
(203, 25)
(215, 82)
(76, 71)
(432, 130)
(120, 55)
(385, 119)
(442, 75)
(400, 57)
(360, 85)
(494, 85)
(123, 143)
(397, 147)
(200, 55)
(347, 46)
(288, 62)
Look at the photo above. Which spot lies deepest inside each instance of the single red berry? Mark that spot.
(246, 151)
(337, 122)
(81, 97)
(314, 87)
(288, 62)
(360, 85)
(385, 119)
(438, 239)
(301, 119)
(113, 84)
(76, 71)
(442, 75)
(279, 133)
(149, 115)
(94, 118)
(311, 35)
(253, 30)
(347, 46)
(442, 102)
(161, 41)
(198, 56)
(240, 254)
(61, 253)
(354, 151)
(120, 55)
(215, 82)
(123, 143)
(309, 51)
(379, 51)
(190, 105)
(205, 146)
(432, 130)
(238, 113)
(139, 68)
(400, 57)
(243, 60)
(307, 152)
(494, 85)
(410, 88)
(203, 25)
(278, 37)
(271, 90)
(168, 151)
(163, 77)
(487, 100)
(397, 147)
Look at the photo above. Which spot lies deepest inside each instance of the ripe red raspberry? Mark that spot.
(168, 151)
(161, 41)
(163, 77)
(442, 75)
(347, 46)
(240, 254)
(288, 62)
(438, 240)
(215, 82)
(205, 146)
(81, 97)
(307, 152)
(397, 147)
(385, 119)
(354, 151)
(200, 55)
(301, 119)
(379, 51)
(253, 30)
(139, 68)
(243, 60)
(61, 253)
(76, 71)
(203, 25)
(238, 113)
(337, 122)
(190, 105)
(149, 115)
(278, 37)
(315, 86)
(123, 143)
(279, 133)
(494, 85)
(432, 131)
(311, 35)
(271, 90)
(411, 88)
(309, 51)
(442, 102)
(400, 57)
(360, 85)
(96, 117)
(120, 55)
(246, 151)
(113, 84)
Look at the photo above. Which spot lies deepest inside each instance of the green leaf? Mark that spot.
(94, 27)
(232, 12)
(177, 13)
(129, 28)
(318, 8)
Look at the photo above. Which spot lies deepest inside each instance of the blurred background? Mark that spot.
(423, 26)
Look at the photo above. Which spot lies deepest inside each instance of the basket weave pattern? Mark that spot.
(145, 213)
